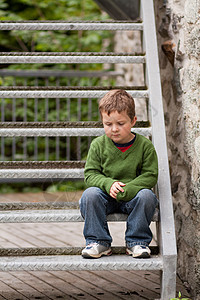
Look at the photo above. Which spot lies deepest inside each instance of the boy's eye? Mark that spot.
(121, 124)
(108, 124)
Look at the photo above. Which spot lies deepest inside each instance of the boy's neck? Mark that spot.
(126, 146)
(132, 136)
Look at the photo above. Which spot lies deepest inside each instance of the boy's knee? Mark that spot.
(91, 192)
(90, 195)
(91, 200)
(147, 196)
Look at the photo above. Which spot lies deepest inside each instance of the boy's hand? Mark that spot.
(116, 188)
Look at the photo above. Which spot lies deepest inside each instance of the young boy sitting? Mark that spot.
(120, 170)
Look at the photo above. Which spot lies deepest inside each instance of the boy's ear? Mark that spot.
(134, 121)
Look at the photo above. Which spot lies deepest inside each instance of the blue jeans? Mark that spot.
(95, 205)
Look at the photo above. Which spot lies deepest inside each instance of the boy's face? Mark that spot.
(118, 126)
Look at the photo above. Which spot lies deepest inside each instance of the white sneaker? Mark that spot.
(139, 251)
(95, 250)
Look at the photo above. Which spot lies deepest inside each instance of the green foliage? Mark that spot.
(69, 186)
(50, 40)
(49, 9)
(19, 188)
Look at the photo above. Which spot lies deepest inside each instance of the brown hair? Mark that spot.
(117, 100)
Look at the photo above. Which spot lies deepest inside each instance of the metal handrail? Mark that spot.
(167, 228)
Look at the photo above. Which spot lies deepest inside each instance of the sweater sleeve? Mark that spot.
(146, 179)
(93, 170)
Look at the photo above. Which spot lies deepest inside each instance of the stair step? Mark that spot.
(68, 250)
(54, 215)
(47, 205)
(52, 132)
(72, 25)
(76, 262)
(68, 124)
(69, 57)
(41, 170)
(67, 92)
(39, 174)
(42, 164)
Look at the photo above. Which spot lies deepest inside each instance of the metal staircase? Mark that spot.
(165, 260)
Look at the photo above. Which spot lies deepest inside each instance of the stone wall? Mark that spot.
(178, 35)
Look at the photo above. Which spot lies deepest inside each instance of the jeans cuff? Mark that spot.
(132, 244)
(106, 244)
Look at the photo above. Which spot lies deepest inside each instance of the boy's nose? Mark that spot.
(114, 128)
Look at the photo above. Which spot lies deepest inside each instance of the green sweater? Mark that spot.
(137, 167)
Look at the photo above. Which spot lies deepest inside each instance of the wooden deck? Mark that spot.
(75, 284)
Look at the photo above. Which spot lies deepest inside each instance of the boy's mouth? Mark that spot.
(115, 135)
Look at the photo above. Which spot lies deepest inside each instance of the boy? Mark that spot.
(120, 170)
